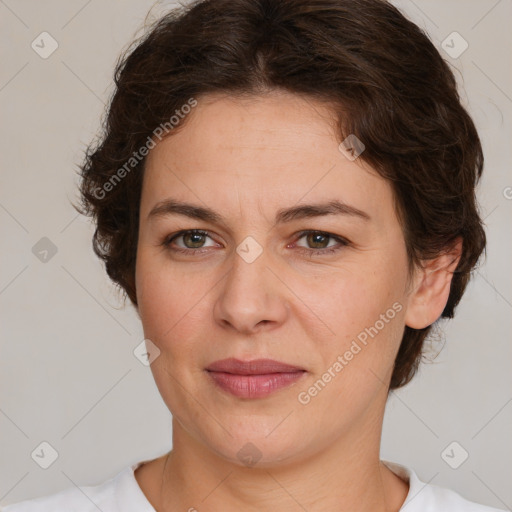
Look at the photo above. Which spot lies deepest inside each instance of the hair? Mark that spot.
(382, 77)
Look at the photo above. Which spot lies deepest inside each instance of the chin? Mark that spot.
(252, 447)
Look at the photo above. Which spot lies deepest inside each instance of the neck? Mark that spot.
(345, 477)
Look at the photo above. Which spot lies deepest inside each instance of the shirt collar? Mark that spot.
(128, 493)
(130, 497)
(416, 486)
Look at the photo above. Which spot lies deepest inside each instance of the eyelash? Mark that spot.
(322, 252)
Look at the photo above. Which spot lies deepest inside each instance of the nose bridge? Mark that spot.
(249, 274)
(250, 293)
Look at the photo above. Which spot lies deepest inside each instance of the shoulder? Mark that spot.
(439, 499)
(432, 498)
(76, 499)
(102, 497)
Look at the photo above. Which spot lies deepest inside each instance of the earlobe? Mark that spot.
(432, 288)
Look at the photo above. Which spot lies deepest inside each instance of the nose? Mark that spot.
(251, 297)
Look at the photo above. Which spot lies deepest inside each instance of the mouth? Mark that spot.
(254, 367)
(253, 379)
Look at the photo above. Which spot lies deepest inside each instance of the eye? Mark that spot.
(319, 239)
(192, 238)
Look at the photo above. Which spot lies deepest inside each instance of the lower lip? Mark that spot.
(254, 386)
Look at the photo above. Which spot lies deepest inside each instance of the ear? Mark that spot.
(431, 288)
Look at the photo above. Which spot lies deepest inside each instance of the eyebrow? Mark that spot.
(303, 211)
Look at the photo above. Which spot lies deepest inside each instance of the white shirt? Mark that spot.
(123, 494)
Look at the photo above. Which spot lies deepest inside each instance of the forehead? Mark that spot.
(263, 153)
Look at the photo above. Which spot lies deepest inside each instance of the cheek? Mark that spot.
(354, 299)
(171, 310)
(171, 303)
(365, 310)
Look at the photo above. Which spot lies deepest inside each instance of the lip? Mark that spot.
(254, 367)
(253, 379)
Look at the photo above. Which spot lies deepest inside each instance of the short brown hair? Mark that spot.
(380, 73)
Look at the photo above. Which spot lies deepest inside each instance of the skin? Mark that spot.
(246, 159)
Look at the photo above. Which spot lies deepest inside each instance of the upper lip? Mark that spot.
(254, 367)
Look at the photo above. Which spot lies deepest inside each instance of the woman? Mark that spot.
(285, 190)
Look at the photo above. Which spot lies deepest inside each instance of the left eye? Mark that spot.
(318, 238)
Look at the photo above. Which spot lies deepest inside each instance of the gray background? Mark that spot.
(68, 375)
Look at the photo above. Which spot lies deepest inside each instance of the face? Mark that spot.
(323, 290)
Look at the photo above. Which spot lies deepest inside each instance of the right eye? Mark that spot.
(192, 238)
